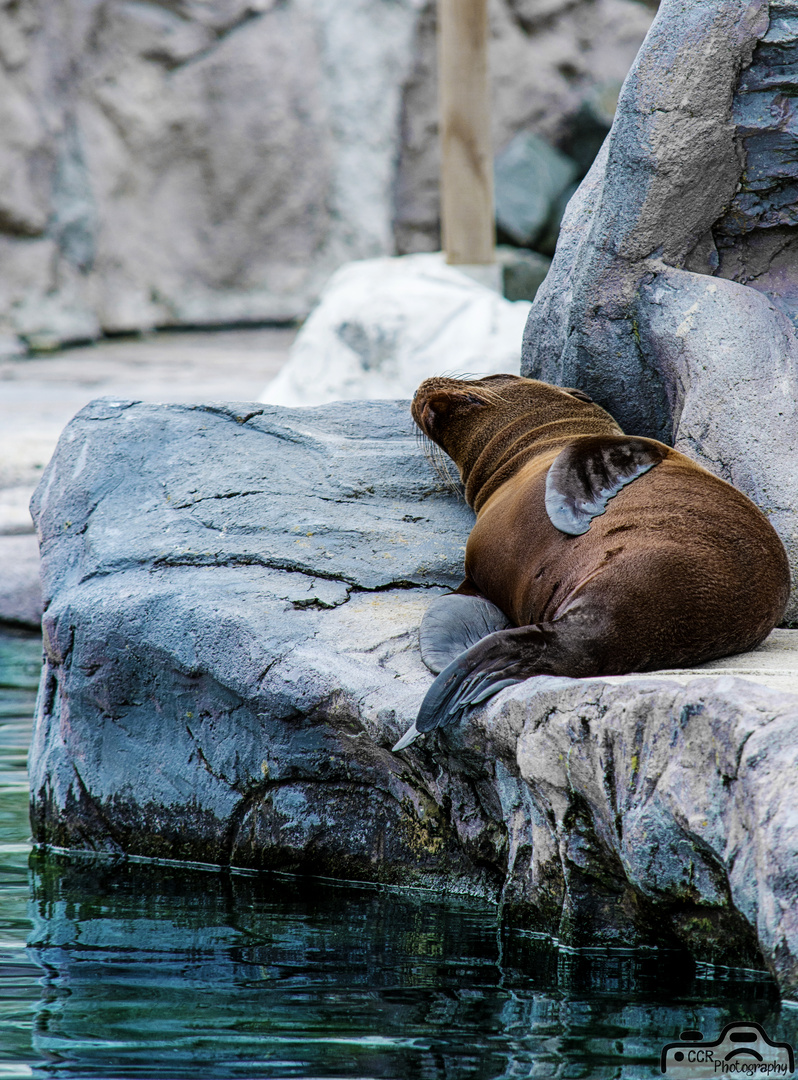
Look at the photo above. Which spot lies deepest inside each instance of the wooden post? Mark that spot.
(467, 215)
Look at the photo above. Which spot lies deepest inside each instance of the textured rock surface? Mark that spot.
(384, 325)
(191, 162)
(648, 810)
(202, 163)
(233, 594)
(673, 288)
(265, 559)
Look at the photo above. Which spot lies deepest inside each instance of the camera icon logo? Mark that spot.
(743, 1049)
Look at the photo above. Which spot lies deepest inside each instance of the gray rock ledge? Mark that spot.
(232, 595)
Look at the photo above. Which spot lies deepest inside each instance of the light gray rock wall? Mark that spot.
(190, 163)
(233, 594)
(671, 294)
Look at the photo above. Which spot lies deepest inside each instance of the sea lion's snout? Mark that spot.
(448, 395)
(422, 411)
(431, 402)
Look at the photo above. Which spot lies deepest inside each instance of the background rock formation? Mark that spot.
(672, 296)
(168, 162)
(556, 69)
(232, 600)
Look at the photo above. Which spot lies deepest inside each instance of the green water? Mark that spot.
(149, 971)
(20, 661)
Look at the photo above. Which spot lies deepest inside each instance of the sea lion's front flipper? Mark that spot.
(499, 660)
(586, 474)
(455, 622)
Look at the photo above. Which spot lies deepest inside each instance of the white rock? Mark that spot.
(10, 346)
(384, 325)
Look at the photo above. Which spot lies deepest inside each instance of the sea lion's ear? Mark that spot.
(587, 473)
(580, 395)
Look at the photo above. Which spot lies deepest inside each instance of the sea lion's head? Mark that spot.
(466, 416)
(463, 416)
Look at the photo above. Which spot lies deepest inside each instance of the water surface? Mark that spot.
(20, 661)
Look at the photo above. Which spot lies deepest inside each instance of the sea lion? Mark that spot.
(593, 552)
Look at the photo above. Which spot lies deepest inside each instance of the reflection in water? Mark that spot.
(161, 972)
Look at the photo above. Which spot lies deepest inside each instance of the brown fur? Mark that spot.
(680, 569)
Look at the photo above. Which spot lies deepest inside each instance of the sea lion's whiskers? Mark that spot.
(443, 466)
(440, 462)
(462, 376)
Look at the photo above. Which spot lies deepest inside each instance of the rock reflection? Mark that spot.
(176, 973)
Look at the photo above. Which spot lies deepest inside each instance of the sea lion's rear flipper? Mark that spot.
(455, 622)
(586, 474)
(497, 661)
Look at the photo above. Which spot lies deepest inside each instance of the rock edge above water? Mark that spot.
(232, 597)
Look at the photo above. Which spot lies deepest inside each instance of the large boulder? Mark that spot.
(232, 596)
(203, 163)
(673, 293)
